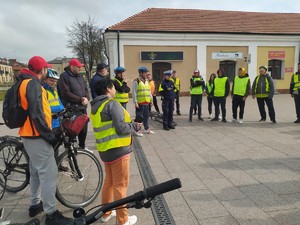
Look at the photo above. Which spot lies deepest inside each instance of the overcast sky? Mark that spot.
(38, 27)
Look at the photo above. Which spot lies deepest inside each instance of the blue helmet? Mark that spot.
(52, 74)
(143, 69)
(168, 73)
(119, 69)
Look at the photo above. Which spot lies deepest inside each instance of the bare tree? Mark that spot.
(85, 39)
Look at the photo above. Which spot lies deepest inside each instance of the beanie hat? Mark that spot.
(264, 67)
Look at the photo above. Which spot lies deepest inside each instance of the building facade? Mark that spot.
(184, 40)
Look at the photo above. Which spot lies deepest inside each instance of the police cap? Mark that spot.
(168, 73)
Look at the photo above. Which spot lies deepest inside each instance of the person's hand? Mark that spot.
(137, 105)
(139, 126)
(125, 79)
(244, 98)
(253, 96)
(151, 104)
(204, 93)
(84, 101)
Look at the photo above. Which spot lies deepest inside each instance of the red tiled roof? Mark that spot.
(210, 21)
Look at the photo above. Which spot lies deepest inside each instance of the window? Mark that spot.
(275, 67)
(229, 68)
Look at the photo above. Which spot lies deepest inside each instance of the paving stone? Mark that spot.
(223, 220)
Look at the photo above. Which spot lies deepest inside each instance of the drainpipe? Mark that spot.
(118, 40)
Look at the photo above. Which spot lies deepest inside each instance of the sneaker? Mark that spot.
(224, 120)
(35, 209)
(274, 121)
(57, 218)
(233, 121)
(139, 134)
(166, 128)
(171, 127)
(131, 220)
(149, 131)
(262, 120)
(297, 121)
(113, 214)
(220, 118)
(214, 119)
(85, 149)
(178, 113)
(200, 118)
(241, 121)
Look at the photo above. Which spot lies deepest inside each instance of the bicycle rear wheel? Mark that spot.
(14, 165)
(72, 190)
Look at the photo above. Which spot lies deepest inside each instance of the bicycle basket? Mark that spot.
(75, 124)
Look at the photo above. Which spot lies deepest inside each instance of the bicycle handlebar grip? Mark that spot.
(33, 222)
(162, 188)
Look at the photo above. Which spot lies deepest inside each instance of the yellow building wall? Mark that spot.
(212, 65)
(184, 68)
(263, 58)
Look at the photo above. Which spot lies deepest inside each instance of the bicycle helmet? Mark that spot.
(119, 69)
(52, 74)
(143, 69)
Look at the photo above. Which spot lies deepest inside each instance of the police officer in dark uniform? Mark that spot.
(166, 89)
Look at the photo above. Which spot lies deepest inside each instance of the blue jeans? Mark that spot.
(143, 111)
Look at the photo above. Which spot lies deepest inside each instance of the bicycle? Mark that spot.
(136, 200)
(82, 166)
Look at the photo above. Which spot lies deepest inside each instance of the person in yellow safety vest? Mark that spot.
(263, 90)
(120, 83)
(142, 99)
(56, 106)
(210, 97)
(240, 90)
(113, 130)
(176, 82)
(295, 92)
(197, 86)
(221, 88)
(153, 92)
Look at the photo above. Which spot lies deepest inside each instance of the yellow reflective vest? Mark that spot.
(143, 94)
(196, 90)
(220, 86)
(176, 82)
(53, 99)
(105, 133)
(240, 85)
(121, 97)
(296, 82)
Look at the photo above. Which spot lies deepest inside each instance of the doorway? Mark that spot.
(229, 68)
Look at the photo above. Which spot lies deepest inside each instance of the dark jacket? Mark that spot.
(71, 88)
(97, 77)
(167, 90)
(35, 107)
(122, 89)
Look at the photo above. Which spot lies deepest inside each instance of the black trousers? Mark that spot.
(237, 101)
(196, 100)
(155, 104)
(297, 105)
(167, 108)
(210, 102)
(83, 133)
(220, 101)
(261, 106)
(177, 102)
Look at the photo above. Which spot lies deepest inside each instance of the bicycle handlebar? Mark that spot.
(148, 193)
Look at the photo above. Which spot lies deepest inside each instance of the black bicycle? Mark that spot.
(78, 183)
(136, 200)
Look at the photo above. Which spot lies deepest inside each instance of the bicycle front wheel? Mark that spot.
(14, 165)
(78, 186)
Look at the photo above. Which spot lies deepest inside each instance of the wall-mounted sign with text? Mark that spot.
(227, 55)
(161, 56)
(276, 54)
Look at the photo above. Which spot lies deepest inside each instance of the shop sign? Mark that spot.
(288, 69)
(161, 56)
(276, 54)
(227, 55)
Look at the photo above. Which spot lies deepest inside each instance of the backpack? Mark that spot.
(13, 114)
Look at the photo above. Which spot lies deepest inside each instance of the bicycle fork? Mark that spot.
(74, 164)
